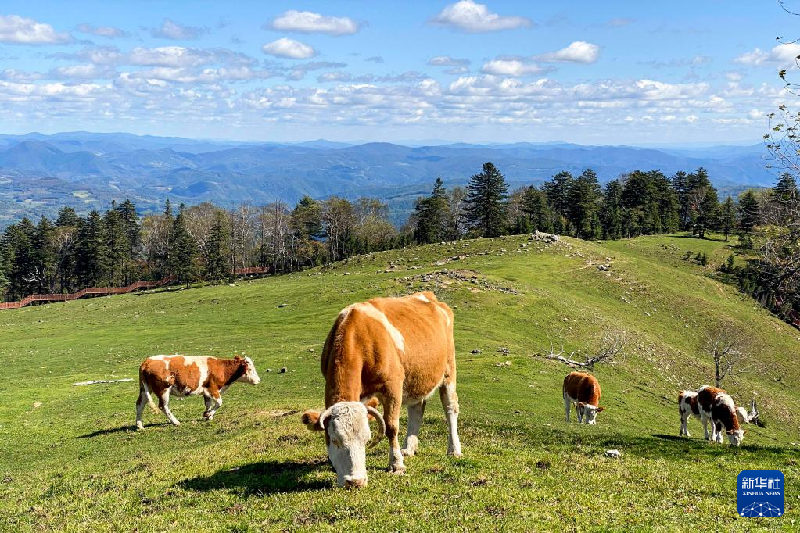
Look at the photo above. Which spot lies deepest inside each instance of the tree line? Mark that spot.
(207, 243)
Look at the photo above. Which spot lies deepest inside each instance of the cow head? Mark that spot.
(250, 375)
(735, 436)
(346, 427)
(589, 412)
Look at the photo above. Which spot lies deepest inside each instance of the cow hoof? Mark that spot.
(139, 426)
(457, 455)
(176, 423)
(398, 470)
(408, 452)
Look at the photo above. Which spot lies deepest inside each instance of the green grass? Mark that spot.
(71, 461)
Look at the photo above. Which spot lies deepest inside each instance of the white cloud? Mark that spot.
(170, 29)
(289, 48)
(577, 52)
(21, 30)
(83, 72)
(513, 67)
(783, 55)
(102, 31)
(169, 56)
(374, 59)
(468, 16)
(447, 61)
(308, 22)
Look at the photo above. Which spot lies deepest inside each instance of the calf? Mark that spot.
(184, 376)
(716, 405)
(687, 406)
(583, 390)
(396, 350)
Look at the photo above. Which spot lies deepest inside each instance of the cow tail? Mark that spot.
(145, 390)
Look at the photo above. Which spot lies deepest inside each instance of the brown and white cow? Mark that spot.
(583, 390)
(716, 405)
(185, 375)
(398, 351)
(687, 406)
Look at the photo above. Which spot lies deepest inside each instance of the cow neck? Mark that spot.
(234, 369)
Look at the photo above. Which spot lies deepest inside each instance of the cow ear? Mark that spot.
(600, 408)
(237, 357)
(311, 419)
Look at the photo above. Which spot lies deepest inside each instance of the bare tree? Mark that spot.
(610, 351)
(728, 347)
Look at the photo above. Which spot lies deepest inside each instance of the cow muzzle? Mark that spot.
(354, 482)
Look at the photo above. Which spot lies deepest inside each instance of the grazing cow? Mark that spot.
(184, 376)
(398, 351)
(748, 418)
(583, 390)
(687, 406)
(716, 405)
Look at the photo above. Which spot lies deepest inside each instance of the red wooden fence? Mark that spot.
(105, 291)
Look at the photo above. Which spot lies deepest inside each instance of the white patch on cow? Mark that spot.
(727, 401)
(347, 427)
(376, 314)
(250, 376)
(422, 297)
(741, 415)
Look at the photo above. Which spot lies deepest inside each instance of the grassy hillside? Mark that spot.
(70, 459)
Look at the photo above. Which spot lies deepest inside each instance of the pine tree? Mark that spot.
(584, 204)
(45, 256)
(703, 203)
(749, 211)
(611, 213)
(534, 205)
(557, 191)
(92, 260)
(432, 215)
(727, 217)
(133, 232)
(485, 203)
(182, 251)
(218, 265)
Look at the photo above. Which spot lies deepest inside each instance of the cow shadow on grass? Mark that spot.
(262, 478)
(121, 429)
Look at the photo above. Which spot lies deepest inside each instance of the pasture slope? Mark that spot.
(71, 461)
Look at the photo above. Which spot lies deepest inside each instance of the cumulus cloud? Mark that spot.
(468, 16)
(513, 67)
(577, 52)
(102, 31)
(179, 56)
(83, 72)
(783, 55)
(309, 22)
(21, 30)
(289, 48)
(176, 31)
(447, 61)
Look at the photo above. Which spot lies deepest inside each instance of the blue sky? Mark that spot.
(607, 72)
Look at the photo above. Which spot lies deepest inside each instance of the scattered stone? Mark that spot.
(613, 453)
(504, 363)
(283, 370)
(604, 268)
(475, 351)
(311, 350)
(502, 350)
(269, 370)
(283, 305)
(36, 405)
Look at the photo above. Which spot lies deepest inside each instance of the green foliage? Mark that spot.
(432, 215)
(485, 211)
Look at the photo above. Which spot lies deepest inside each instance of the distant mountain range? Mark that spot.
(40, 173)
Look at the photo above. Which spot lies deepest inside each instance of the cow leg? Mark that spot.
(447, 393)
(207, 400)
(140, 403)
(164, 404)
(704, 421)
(415, 414)
(567, 407)
(684, 425)
(215, 403)
(391, 416)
